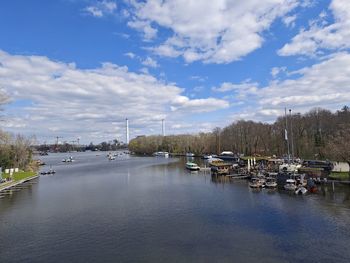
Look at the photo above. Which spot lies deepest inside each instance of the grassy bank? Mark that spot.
(340, 175)
(20, 175)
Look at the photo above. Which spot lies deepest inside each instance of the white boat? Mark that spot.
(289, 168)
(192, 166)
(205, 156)
(270, 182)
(256, 183)
(189, 154)
(290, 185)
(300, 190)
(161, 154)
(68, 160)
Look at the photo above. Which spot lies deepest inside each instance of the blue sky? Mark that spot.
(78, 68)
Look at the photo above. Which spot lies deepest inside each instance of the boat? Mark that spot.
(311, 186)
(111, 156)
(300, 190)
(48, 172)
(161, 154)
(220, 168)
(270, 182)
(229, 156)
(68, 160)
(256, 183)
(205, 156)
(192, 166)
(289, 168)
(290, 185)
(215, 161)
(189, 154)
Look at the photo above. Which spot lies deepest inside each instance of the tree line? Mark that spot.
(112, 145)
(317, 134)
(15, 152)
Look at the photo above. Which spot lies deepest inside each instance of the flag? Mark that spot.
(285, 134)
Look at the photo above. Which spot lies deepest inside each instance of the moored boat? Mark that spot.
(270, 182)
(51, 171)
(192, 166)
(300, 190)
(215, 161)
(189, 154)
(290, 185)
(161, 154)
(68, 160)
(256, 183)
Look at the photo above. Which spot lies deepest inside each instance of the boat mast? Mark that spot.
(291, 133)
(286, 134)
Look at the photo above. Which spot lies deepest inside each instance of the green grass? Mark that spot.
(340, 175)
(20, 175)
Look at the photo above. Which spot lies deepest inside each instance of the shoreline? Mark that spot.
(16, 183)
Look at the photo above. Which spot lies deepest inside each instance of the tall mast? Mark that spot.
(286, 133)
(291, 133)
(163, 127)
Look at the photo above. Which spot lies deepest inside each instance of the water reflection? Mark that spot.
(152, 209)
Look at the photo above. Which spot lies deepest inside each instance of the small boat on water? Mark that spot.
(207, 156)
(256, 183)
(300, 190)
(161, 154)
(189, 154)
(51, 171)
(68, 160)
(290, 185)
(192, 166)
(270, 182)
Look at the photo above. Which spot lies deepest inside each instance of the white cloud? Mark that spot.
(320, 35)
(85, 102)
(326, 85)
(275, 71)
(101, 8)
(211, 31)
(144, 26)
(198, 105)
(241, 89)
(130, 55)
(149, 62)
(289, 21)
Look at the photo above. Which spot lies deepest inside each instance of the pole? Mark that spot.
(127, 131)
(291, 133)
(163, 127)
(286, 134)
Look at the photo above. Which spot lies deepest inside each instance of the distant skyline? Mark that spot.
(79, 68)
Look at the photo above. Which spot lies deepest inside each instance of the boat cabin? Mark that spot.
(221, 168)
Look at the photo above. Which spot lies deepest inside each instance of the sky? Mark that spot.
(79, 68)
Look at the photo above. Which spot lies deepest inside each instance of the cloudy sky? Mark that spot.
(78, 68)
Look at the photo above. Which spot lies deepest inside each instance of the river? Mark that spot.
(148, 209)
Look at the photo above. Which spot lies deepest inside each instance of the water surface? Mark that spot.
(152, 210)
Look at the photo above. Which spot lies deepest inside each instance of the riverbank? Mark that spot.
(18, 178)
